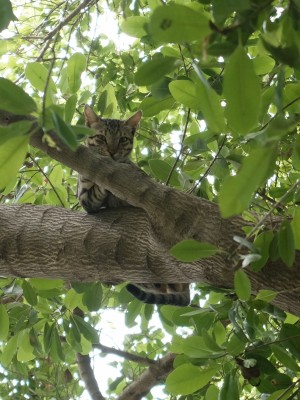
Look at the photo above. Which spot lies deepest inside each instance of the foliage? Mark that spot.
(218, 84)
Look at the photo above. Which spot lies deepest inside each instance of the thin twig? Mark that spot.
(181, 148)
(208, 168)
(47, 178)
(124, 354)
(77, 10)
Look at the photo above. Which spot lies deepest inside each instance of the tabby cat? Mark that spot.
(114, 138)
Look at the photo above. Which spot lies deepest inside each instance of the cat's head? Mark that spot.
(113, 137)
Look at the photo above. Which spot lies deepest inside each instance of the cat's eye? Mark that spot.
(101, 139)
(123, 139)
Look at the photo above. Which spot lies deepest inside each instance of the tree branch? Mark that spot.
(52, 242)
(88, 377)
(124, 354)
(148, 379)
(69, 18)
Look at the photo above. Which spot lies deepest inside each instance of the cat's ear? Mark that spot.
(90, 115)
(134, 120)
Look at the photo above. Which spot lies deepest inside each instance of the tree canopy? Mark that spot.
(218, 85)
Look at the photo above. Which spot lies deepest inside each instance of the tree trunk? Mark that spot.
(129, 244)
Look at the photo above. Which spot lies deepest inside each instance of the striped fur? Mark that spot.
(114, 138)
(175, 294)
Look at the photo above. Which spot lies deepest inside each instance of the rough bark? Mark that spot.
(131, 243)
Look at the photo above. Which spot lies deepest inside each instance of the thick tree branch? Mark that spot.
(148, 379)
(134, 245)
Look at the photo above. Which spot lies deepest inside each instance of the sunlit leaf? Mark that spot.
(151, 106)
(176, 23)
(135, 26)
(266, 295)
(76, 66)
(9, 351)
(195, 347)
(242, 93)
(237, 191)
(14, 99)
(184, 91)
(12, 154)
(191, 250)
(153, 70)
(70, 108)
(25, 349)
(4, 323)
(188, 378)
(19, 128)
(296, 227)
(38, 76)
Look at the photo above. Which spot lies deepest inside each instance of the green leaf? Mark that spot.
(210, 105)
(286, 244)
(195, 347)
(242, 285)
(175, 23)
(92, 298)
(9, 351)
(15, 129)
(192, 250)
(38, 76)
(12, 154)
(285, 357)
(70, 108)
(161, 170)
(242, 92)
(6, 14)
(262, 242)
(229, 389)
(153, 70)
(76, 66)
(237, 191)
(48, 334)
(151, 106)
(296, 227)
(184, 91)
(25, 349)
(86, 329)
(56, 348)
(29, 293)
(266, 295)
(64, 131)
(14, 99)
(4, 323)
(135, 26)
(188, 378)
(41, 284)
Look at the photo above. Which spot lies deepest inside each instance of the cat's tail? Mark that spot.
(150, 294)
